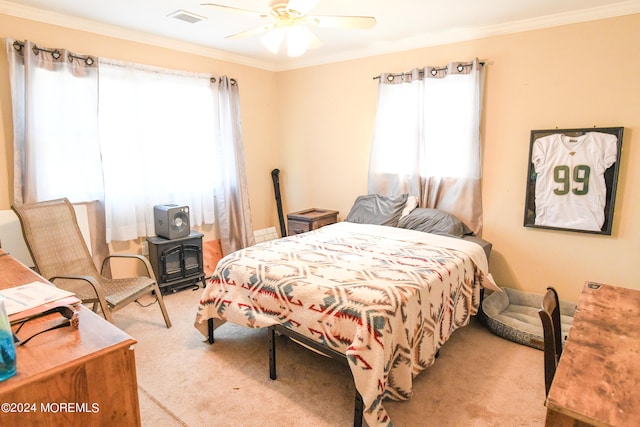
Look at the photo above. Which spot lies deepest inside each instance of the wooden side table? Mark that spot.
(310, 219)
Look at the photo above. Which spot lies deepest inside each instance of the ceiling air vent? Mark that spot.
(185, 16)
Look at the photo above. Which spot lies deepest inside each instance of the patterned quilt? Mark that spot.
(385, 297)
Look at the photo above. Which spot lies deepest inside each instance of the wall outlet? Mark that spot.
(144, 248)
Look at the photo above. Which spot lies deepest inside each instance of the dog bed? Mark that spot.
(513, 315)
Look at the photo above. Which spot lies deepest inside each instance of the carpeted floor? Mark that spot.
(478, 380)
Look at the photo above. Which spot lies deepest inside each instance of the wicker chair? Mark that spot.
(60, 254)
(551, 327)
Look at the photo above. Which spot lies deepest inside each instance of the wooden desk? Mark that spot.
(598, 378)
(83, 377)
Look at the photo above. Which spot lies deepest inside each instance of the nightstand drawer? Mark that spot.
(310, 219)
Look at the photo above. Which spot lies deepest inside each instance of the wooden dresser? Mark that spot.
(310, 219)
(74, 377)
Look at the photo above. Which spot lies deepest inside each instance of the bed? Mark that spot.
(387, 297)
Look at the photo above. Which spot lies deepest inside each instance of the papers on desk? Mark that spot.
(34, 295)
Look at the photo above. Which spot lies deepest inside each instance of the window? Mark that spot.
(426, 139)
(157, 135)
(132, 136)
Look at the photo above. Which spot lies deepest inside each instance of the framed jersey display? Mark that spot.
(572, 179)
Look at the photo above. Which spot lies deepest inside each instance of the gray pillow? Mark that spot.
(377, 209)
(434, 221)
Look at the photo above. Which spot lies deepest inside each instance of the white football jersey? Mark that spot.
(570, 187)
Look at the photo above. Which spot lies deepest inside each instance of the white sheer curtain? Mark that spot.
(54, 97)
(427, 139)
(157, 133)
(131, 135)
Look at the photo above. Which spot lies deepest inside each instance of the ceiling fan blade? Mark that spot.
(236, 9)
(356, 22)
(302, 6)
(251, 32)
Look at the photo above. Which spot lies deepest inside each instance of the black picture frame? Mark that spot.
(566, 191)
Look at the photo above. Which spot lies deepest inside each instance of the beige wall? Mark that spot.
(315, 125)
(573, 76)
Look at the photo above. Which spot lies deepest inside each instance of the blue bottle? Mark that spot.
(7, 347)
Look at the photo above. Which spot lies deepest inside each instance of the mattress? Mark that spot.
(386, 298)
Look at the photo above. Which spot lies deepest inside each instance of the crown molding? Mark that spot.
(90, 26)
(436, 39)
(432, 39)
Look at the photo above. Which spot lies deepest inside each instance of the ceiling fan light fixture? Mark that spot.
(290, 24)
(299, 39)
(273, 39)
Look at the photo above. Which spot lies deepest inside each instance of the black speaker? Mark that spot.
(172, 221)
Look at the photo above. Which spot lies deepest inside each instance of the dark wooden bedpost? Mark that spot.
(275, 176)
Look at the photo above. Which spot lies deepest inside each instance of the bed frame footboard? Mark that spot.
(358, 404)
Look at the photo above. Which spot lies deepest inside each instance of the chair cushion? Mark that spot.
(513, 314)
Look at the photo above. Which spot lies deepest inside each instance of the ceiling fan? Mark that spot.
(290, 21)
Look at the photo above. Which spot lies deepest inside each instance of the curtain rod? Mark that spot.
(434, 70)
(231, 80)
(55, 53)
(17, 45)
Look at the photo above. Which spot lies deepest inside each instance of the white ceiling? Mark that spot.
(401, 24)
